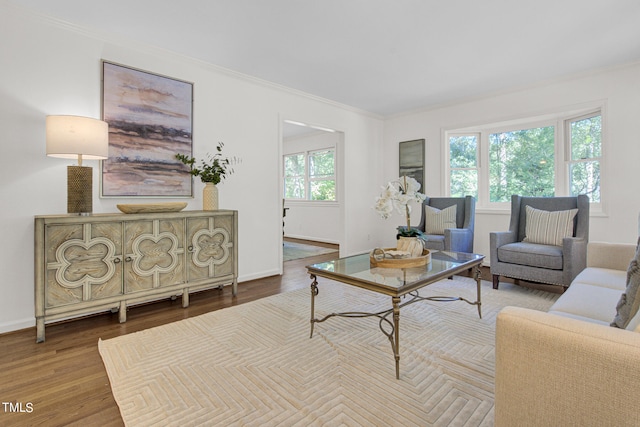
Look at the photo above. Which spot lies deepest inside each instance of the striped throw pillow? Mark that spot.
(436, 220)
(548, 227)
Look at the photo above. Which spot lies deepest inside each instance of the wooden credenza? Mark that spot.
(88, 264)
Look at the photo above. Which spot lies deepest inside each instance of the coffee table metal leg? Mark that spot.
(478, 282)
(314, 292)
(396, 331)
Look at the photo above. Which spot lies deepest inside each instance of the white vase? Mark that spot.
(412, 245)
(209, 197)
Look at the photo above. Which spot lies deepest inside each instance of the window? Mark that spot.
(585, 148)
(556, 155)
(310, 175)
(294, 173)
(322, 179)
(463, 165)
(521, 162)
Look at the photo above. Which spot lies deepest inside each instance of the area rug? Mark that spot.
(255, 365)
(293, 250)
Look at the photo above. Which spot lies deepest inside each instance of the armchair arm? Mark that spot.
(501, 238)
(552, 370)
(497, 239)
(458, 239)
(574, 259)
(615, 256)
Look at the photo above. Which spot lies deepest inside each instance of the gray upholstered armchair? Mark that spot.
(456, 237)
(539, 252)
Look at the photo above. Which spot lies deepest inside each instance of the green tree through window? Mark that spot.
(310, 176)
(322, 183)
(585, 136)
(294, 176)
(522, 162)
(463, 154)
(495, 161)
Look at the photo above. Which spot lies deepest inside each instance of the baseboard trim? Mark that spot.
(312, 239)
(17, 325)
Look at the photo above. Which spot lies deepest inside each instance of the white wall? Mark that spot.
(53, 68)
(618, 88)
(315, 220)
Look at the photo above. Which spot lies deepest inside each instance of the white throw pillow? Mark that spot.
(548, 227)
(436, 220)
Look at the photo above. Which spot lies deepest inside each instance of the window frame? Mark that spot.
(597, 206)
(322, 178)
(562, 152)
(478, 136)
(285, 176)
(307, 176)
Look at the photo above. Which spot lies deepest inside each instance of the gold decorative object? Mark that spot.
(79, 189)
(152, 207)
(389, 261)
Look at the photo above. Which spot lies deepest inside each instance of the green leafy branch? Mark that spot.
(214, 168)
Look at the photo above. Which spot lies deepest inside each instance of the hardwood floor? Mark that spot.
(64, 380)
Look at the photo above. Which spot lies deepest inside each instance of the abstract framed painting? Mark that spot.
(412, 160)
(150, 120)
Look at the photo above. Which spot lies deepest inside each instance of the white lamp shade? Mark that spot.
(69, 136)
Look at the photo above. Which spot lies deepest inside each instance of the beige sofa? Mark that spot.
(568, 367)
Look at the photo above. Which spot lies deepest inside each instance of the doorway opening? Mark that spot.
(312, 189)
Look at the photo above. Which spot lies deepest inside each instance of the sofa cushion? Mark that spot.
(582, 318)
(436, 220)
(548, 227)
(605, 277)
(532, 254)
(588, 301)
(629, 301)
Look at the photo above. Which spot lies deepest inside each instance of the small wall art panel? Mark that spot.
(150, 120)
(412, 160)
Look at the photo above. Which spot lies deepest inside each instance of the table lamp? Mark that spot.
(69, 137)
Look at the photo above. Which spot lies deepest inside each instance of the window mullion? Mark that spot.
(562, 162)
(483, 184)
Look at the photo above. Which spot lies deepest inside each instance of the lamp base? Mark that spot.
(79, 190)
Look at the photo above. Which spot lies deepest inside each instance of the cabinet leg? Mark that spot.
(40, 329)
(122, 313)
(185, 298)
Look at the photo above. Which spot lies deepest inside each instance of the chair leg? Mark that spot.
(496, 281)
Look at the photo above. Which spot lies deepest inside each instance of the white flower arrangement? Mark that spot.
(397, 195)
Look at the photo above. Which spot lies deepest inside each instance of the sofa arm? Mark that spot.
(615, 256)
(552, 370)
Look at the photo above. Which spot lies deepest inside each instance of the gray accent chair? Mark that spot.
(458, 239)
(555, 265)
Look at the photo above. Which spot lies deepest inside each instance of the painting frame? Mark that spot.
(150, 120)
(411, 160)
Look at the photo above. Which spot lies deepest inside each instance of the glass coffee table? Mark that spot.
(395, 282)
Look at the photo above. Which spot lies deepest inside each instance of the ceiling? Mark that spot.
(381, 56)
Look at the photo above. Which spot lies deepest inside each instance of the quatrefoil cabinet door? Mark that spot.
(153, 254)
(210, 247)
(83, 263)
